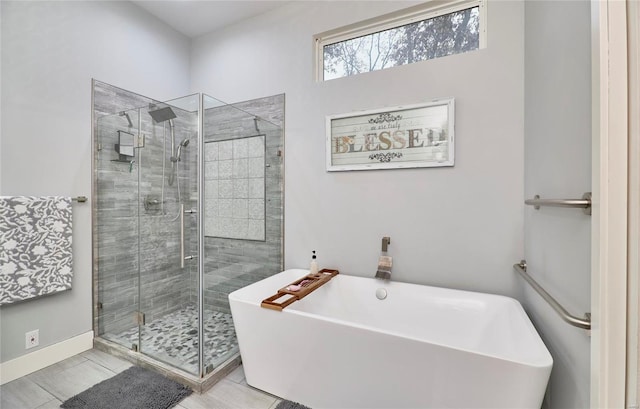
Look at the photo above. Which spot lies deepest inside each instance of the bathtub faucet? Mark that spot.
(383, 274)
(384, 262)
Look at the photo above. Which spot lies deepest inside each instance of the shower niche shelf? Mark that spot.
(125, 146)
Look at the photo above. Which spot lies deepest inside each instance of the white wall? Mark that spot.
(50, 52)
(457, 227)
(558, 164)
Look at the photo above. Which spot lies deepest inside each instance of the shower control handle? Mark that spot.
(182, 236)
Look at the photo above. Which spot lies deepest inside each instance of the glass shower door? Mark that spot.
(167, 220)
(117, 227)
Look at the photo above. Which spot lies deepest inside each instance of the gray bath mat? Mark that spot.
(135, 388)
(287, 404)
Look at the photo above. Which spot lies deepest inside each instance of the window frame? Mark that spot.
(431, 9)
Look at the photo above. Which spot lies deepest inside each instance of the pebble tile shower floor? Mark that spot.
(173, 338)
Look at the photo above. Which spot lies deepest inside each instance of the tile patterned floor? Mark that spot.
(51, 386)
(173, 338)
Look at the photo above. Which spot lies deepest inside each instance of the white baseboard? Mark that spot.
(29, 363)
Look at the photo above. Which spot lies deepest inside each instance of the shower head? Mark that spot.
(183, 144)
(162, 114)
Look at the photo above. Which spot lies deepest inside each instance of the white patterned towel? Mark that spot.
(35, 247)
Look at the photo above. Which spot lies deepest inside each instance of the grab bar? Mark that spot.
(584, 202)
(182, 236)
(573, 320)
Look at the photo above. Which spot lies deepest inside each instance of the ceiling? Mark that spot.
(194, 18)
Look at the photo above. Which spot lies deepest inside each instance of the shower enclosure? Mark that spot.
(187, 208)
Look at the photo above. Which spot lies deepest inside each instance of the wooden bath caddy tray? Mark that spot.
(284, 297)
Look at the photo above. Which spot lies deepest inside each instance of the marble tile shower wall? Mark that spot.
(129, 236)
(235, 185)
(230, 264)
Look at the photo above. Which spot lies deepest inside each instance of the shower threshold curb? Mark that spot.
(199, 385)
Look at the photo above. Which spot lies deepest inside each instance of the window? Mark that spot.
(411, 35)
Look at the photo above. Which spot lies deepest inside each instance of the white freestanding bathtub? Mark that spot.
(421, 347)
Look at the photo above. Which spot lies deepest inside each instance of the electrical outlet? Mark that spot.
(32, 339)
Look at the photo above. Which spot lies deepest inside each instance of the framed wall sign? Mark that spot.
(412, 136)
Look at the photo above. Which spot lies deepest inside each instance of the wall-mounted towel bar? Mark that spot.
(573, 320)
(79, 199)
(584, 203)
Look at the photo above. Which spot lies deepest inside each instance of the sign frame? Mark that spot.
(403, 130)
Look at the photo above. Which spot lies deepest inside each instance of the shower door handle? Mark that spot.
(182, 236)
